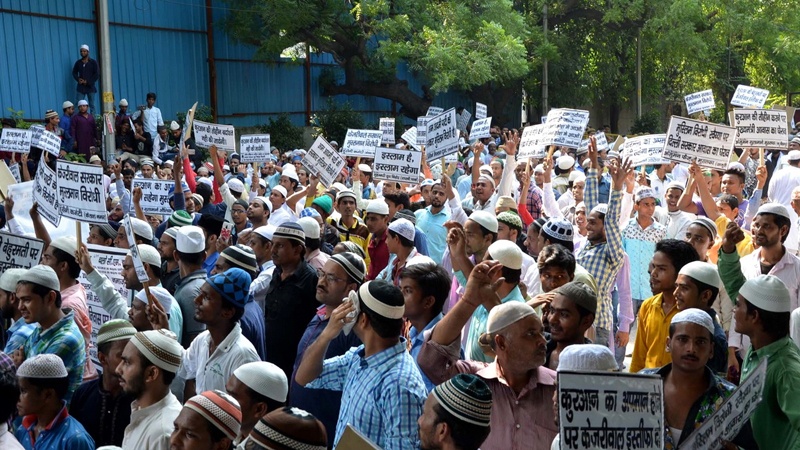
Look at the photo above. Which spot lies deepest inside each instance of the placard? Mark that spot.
(138, 266)
(644, 150)
(765, 128)
(208, 134)
(749, 97)
(361, 143)
(422, 129)
(47, 141)
(15, 140)
(480, 128)
(324, 161)
(442, 135)
(726, 422)
(155, 195)
(609, 409)
(19, 252)
(81, 192)
(529, 146)
(564, 127)
(434, 111)
(394, 164)
(387, 130)
(6, 178)
(462, 120)
(15, 172)
(23, 195)
(410, 136)
(480, 110)
(708, 143)
(699, 101)
(45, 193)
(602, 141)
(254, 148)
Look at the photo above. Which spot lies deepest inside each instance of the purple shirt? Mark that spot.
(84, 131)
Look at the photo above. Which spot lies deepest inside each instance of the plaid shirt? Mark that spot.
(534, 201)
(603, 260)
(64, 339)
(382, 395)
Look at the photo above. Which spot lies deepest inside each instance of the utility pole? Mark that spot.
(109, 109)
(545, 104)
(639, 74)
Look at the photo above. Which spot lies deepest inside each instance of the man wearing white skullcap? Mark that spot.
(781, 185)
(639, 237)
(86, 73)
(349, 226)
(259, 387)
(19, 331)
(431, 219)
(468, 246)
(515, 334)
(377, 221)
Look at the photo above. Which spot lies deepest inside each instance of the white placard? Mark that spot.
(393, 164)
(361, 143)
(480, 110)
(480, 128)
(254, 148)
(434, 111)
(208, 134)
(23, 195)
(564, 127)
(602, 141)
(81, 192)
(41, 138)
(644, 150)
(543, 119)
(708, 143)
(138, 266)
(155, 195)
(45, 193)
(19, 251)
(765, 128)
(324, 161)
(422, 129)
(442, 135)
(529, 146)
(607, 410)
(14, 169)
(726, 422)
(410, 136)
(462, 120)
(699, 101)
(15, 140)
(387, 130)
(749, 97)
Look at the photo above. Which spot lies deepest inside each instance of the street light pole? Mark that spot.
(109, 110)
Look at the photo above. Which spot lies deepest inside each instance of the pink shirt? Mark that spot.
(74, 298)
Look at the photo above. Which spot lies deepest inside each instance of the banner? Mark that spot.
(462, 120)
(155, 195)
(387, 130)
(15, 140)
(392, 164)
(324, 161)
(45, 193)
(208, 134)
(410, 136)
(422, 129)
(434, 111)
(480, 128)
(764, 128)
(564, 127)
(254, 148)
(442, 135)
(361, 143)
(610, 410)
(689, 140)
(81, 192)
(480, 110)
(19, 252)
(644, 150)
(749, 97)
(699, 101)
(529, 146)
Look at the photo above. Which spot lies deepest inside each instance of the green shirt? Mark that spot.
(776, 420)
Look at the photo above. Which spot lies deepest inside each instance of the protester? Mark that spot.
(260, 388)
(17, 334)
(288, 429)
(208, 420)
(456, 415)
(190, 253)
(86, 72)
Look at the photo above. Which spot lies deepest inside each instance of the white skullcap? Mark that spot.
(115, 330)
(46, 365)
(149, 255)
(507, 253)
(378, 207)
(43, 276)
(696, 316)
(160, 347)
(147, 162)
(793, 155)
(702, 271)
(487, 169)
(162, 295)
(576, 177)
(267, 231)
(601, 208)
(291, 173)
(67, 244)
(676, 185)
(83, 103)
(236, 184)
(265, 201)
(485, 219)
(310, 227)
(265, 378)
(345, 193)
(226, 167)
(174, 126)
(643, 193)
(774, 208)
(8, 281)
(123, 102)
(141, 229)
(190, 240)
(565, 162)
(365, 168)
(587, 357)
(206, 181)
(281, 190)
(404, 228)
(539, 168)
(67, 104)
(339, 187)
(737, 166)
(487, 178)
(172, 232)
(768, 293)
(85, 47)
(507, 314)
(557, 154)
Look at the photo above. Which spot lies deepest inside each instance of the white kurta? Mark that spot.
(151, 427)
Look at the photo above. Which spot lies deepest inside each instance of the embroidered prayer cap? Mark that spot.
(190, 239)
(404, 228)
(353, 264)
(309, 212)
(220, 410)
(643, 193)
(281, 190)
(767, 292)
(325, 203)
(676, 185)
(507, 314)
(290, 429)
(794, 155)
(160, 347)
(374, 295)
(795, 140)
(233, 285)
(199, 199)
(310, 227)
(236, 185)
(148, 254)
(180, 218)
(147, 162)
(774, 208)
(8, 281)
(265, 201)
(46, 365)
(696, 316)
(487, 179)
(565, 162)
(706, 223)
(587, 357)
(703, 272)
(266, 231)
(485, 219)
(601, 208)
(405, 214)
(505, 201)
(507, 253)
(467, 397)
(67, 244)
(265, 378)
(292, 231)
(346, 193)
(580, 294)
(43, 276)
(737, 166)
(172, 232)
(141, 229)
(378, 207)
(365, 168)
(241, 256)
(558, 228)
(162, 295)
(108, 230)
(49, 114)
(115, 330)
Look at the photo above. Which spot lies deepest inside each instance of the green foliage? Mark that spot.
(649, 123)
(335, 119)
(18, 116)
(283, 133)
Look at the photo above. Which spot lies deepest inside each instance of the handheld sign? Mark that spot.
(392, 164)
(15, 140)
(761, 128)
(254, 148)
(387, 130)
(81, 192)
(141, 273)
(45, 193)
(529, 146)
(602, 141)
(324, 161)
(434, 111)
(14, 169)
(644, 150)
(422, 129)
(699, 101)
(410, 136)
(709, 144)
(6, 178)
(480, 110)
(564, 127)
(442, 135)
(19, 251)
(749, 97)
(480, 128)
(362, 143)
(208, 134)
(186, 133)
(47, 141)
(155, 195)
(462, 120)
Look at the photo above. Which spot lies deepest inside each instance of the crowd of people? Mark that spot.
(284, 314)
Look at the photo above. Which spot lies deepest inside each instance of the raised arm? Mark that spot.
(507, 179)
(590, 195)
(706, 199)
(612, 228)
(549, 203)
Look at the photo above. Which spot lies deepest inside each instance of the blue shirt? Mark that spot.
(18, 334)
(208, 264)
(433, 226)
(64, 124)
(63, 433)
(252, 323)
(640, 245)
(420, 241)
(382, 395)
(417, 340)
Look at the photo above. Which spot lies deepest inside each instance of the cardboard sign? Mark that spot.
(689, 140)
(434, 111)
(186, 133)
(529, 146)
(41, 138)
(324, 161)
(208, 134)
(480, 110)
(362, 143)
(749, 97)
(155, 195)
(45, 193)
(732, 414)
(422, 129)
(392, 164)
(6, 178)
(442, 135)
(480, 128)
(15, 140)
(254, 148)
(81, 192)
(387, 130)
(462, 120)
(141, 273)
(609, 409)
(15, 172)
(352, 439)
(564, 127)
(19, 252)
(699, 101)
(602, 141)
(765, 128)
(644, 150)
(410, 136)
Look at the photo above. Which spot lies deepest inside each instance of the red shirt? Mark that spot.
(378, 255)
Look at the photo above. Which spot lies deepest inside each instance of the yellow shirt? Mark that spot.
(743, 248)
(650, 348)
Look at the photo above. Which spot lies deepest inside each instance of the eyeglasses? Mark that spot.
(237, 211)
(329, 277)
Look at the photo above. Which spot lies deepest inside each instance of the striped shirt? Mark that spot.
(65, 340)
